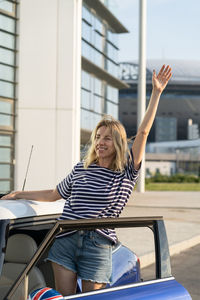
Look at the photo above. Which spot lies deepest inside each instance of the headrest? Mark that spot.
(20, 248)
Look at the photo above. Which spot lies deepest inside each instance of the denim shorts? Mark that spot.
(87, 253)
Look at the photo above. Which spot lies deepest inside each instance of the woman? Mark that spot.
(98, 187)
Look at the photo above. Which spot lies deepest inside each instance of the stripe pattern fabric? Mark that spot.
(97, 192)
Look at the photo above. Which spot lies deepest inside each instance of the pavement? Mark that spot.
(181, 213)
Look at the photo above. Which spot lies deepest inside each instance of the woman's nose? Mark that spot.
(101, 141)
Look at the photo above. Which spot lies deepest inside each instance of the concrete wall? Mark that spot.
(164, 167)
(48, 105)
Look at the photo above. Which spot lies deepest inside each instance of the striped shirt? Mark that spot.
(96, 192)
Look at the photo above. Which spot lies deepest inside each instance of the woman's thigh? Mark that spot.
(65, 280)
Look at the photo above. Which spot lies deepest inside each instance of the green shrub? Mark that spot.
(173, 178)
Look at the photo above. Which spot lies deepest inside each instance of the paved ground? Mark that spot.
(185, 268)
(181, 212)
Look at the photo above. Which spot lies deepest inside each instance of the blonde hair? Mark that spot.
(120, 143)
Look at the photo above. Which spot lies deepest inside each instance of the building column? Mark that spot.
(48, 104)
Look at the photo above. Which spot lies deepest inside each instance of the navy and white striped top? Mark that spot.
(96, 192)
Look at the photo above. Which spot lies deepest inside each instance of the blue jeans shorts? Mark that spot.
(87, 253)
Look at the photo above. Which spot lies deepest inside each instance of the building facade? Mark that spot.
(58, 77)
(174, 141)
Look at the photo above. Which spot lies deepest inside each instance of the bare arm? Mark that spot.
(159, 83)
(45, 195)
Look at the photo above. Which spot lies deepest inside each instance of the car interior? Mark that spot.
(20, 249)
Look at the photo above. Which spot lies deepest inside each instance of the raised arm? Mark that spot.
(45, 195)
(159, 83)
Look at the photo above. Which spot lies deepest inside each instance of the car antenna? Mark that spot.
(27, 168)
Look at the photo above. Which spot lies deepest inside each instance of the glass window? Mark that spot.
(97, 104)
(7, 56)
(5, 186)
(112, 94)
(98, 25)
(5, 171)
(86, 14)
(96, 119)
(86, 31)
(6, 89)
(6, 120)
(85, 99)
(111, 52)
(112, 37)
(5, 155)
(6, 73)
(86, 80)
(5, 140)
(86, 119)
(98, 59)
(6, 107)
(98, 41)
(7, 6)
(7, 40)
(112, 109)
(87, 51)
(98, 89)
(7, 23)
(111, 68)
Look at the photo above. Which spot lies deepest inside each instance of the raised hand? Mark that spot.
(160, 81)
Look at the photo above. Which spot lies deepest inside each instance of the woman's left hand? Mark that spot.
(160, 81)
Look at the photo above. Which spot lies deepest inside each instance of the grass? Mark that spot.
(165, 186)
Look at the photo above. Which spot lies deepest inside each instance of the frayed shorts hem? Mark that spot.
(71, 269)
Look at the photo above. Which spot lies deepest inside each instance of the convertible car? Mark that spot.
(27, 230)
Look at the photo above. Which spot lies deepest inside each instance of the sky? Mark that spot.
(173, 29)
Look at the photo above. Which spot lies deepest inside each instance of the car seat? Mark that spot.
(20, 249)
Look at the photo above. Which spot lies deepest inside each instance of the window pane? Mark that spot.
(6, 120)
(6, 89)
(6, 107)
(98, 25)
(112, 109)
(86, 31)
(87, 51)
(85, 120)
(5, 140)
(98, 87)
(98, 41)
(112, 68)
(111, 52)
(86, 80)
(112, 94)
(5, 155)
(96, 119)
(7, 6)
(5, 186)
(97, 104)
(7, 24)
(7, 40)
(85, 99)
(98, 59)
(6, 73)
(7, 56)
(112, 37)
(86, 14)
(5, 171)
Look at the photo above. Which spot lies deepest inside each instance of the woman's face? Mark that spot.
(104, 146)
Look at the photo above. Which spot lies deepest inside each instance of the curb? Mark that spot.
(149, 258)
